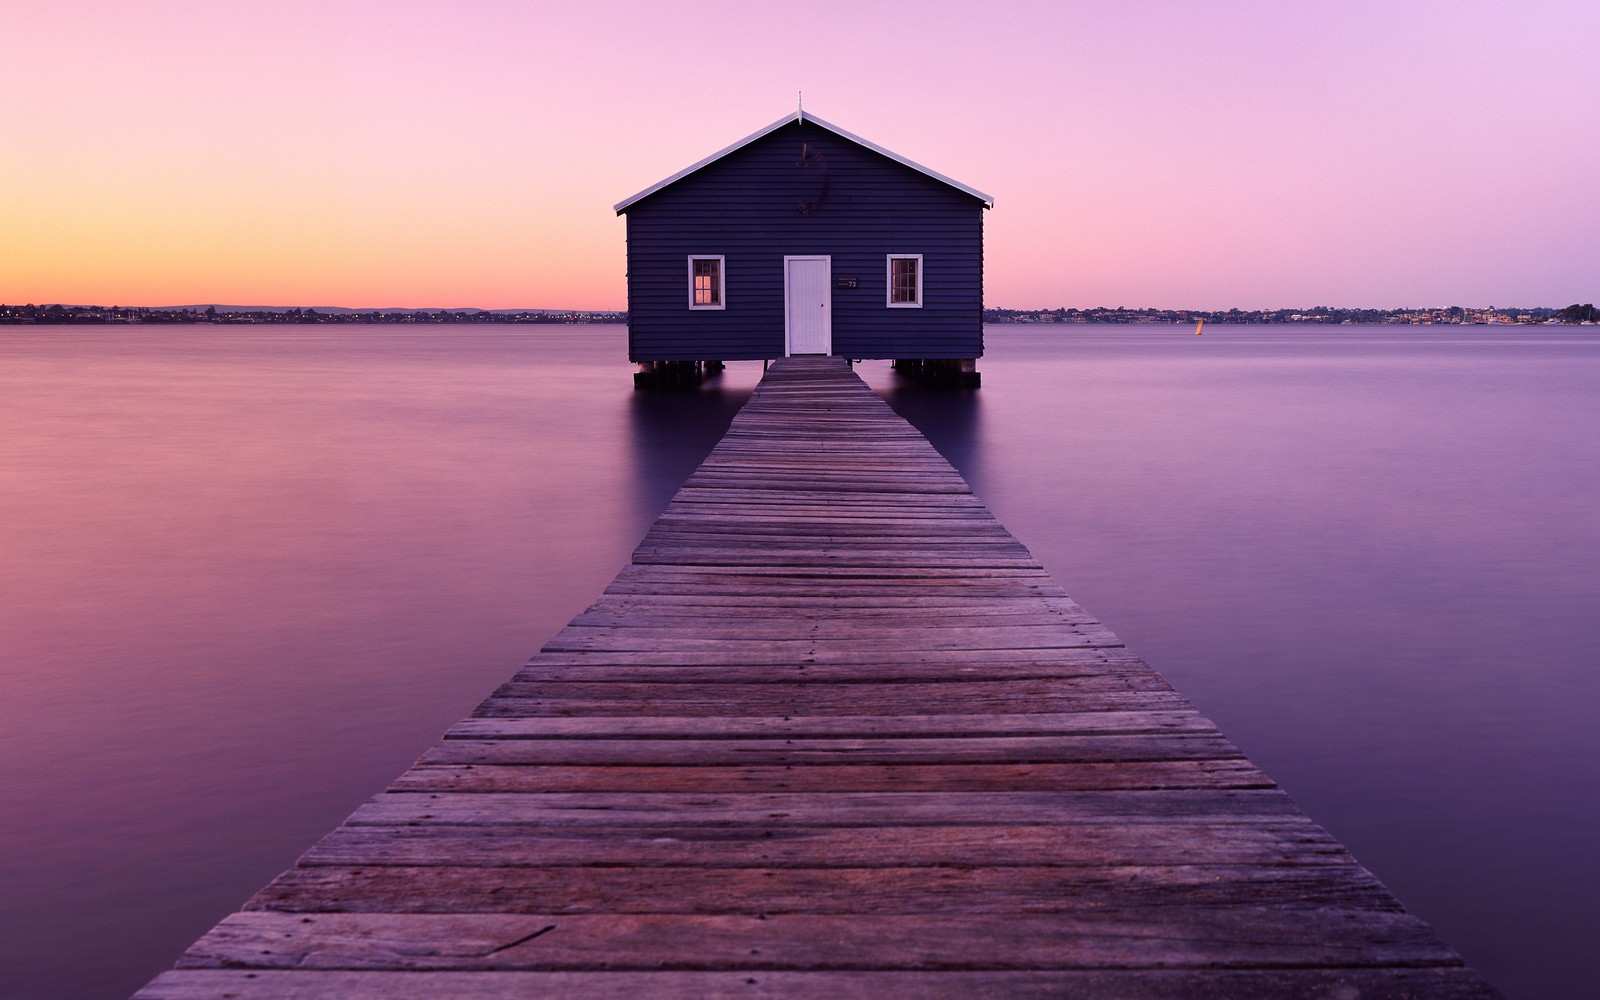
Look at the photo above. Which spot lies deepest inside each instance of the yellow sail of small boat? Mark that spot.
(1198, 327)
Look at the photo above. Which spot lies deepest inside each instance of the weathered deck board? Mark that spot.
(1226, 772)
(832, 733)
(1193, 841)
(1219, 936)
(957, 984)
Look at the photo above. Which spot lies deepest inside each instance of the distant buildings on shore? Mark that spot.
(1317, 314)
(48, 314)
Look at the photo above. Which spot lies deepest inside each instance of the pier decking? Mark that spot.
(832, 733)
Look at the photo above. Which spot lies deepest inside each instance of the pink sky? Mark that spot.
(1181, 154)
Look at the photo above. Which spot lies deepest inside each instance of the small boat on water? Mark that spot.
(1198, 327)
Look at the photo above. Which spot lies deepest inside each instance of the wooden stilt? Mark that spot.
(950, 373)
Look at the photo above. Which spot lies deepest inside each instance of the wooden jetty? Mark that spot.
(833, 733)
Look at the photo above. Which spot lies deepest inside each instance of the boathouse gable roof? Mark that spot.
(801, 117)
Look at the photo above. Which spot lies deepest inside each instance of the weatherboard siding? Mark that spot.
(744, 207)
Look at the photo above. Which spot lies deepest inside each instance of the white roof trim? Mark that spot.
(799, 117)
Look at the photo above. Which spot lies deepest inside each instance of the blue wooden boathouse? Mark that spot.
(805, 239)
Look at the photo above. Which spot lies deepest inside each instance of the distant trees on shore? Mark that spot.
(60, 314)
(1315, 314)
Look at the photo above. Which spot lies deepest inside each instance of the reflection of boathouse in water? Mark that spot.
(805, 239)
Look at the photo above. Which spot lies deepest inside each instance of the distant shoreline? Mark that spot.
(1318, 315)
(281, 315)
(56, 314)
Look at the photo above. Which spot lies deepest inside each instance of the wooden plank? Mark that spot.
(803, 809)
(1096, 694)
(934, 653)
(762, 984)
(1030, 635)
(1233, 772)
(1009, 606)
(1110, 664)
(927, 889)
(972, 750)
(995, 635)
(831, 727)
(876, 605)
(752, 693)
(1214, 937)
(926, 640)
(1282, 842)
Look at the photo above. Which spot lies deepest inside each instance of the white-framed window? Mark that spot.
(706, 274)
(905, 281)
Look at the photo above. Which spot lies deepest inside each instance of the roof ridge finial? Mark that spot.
(799, 105)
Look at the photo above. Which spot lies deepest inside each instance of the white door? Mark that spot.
(808, 304)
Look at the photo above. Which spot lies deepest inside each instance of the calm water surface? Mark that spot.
(250, 574)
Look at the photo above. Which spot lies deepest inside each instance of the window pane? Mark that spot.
(904, 276)
(707, 282)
